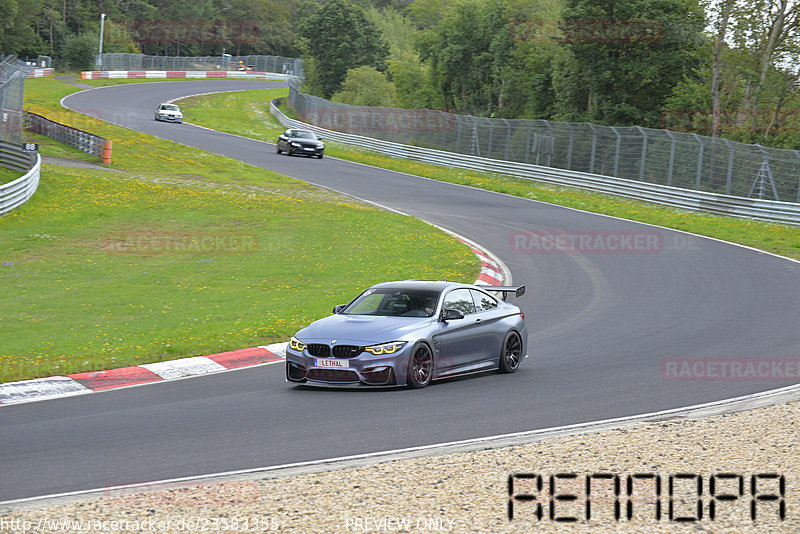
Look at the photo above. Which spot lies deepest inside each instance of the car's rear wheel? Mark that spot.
(512, 353)
(420, 367)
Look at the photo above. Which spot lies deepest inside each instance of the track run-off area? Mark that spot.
(610, 323)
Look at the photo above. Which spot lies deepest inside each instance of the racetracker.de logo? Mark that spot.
(730, 369)
(587, 31)
(180, 243)
(591, 242)
(194, 31)
(702, 120)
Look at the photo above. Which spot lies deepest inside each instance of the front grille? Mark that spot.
(320, 350)
(332, 375)
(346, 351)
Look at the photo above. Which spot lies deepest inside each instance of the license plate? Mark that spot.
(324, 362)
(306, 148)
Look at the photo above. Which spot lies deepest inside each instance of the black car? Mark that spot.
(300, 142)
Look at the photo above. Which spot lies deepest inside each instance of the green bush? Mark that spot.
(366, 86)
(79, 51)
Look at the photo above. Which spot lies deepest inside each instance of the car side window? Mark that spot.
(461, 300)
(483, 301)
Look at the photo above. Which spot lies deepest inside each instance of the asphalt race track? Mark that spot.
(601, 323)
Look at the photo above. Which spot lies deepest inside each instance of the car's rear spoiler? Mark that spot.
(505, 290)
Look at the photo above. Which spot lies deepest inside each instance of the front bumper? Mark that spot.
(170, 118)
(362, 370)
(307, 150)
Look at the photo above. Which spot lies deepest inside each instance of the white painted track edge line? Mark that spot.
(791, 392)
(755, 400)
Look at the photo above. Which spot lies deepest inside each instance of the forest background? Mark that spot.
(727, 68)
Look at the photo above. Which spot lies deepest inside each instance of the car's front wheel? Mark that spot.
(512, 353)
(278, 149)
(420, 367)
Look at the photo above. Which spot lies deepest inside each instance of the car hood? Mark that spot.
(361, 329)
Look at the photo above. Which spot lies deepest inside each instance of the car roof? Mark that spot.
(431, 285)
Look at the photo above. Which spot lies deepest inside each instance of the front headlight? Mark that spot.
(385, 348)
(296, 344)
(296, 145)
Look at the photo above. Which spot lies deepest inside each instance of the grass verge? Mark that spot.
(248, 115)
(184, 253)
(8, 175)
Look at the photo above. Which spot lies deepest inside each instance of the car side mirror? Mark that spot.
(450, 314)
(339, 308)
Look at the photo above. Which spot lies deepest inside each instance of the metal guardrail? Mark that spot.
(768, 210)
(126, 61)
(15, 193)
(680, 159)
(199, 74)
(14, 157)
(40, 73)
(84, 141)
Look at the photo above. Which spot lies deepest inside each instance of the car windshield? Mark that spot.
(303, 135)
(170, 107)
(396, 302)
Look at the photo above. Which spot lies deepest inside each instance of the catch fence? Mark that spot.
(12, 84)
(660, 157)
(139, 62)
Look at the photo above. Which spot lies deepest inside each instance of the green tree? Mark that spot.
(366, 86)
(395, 27)
(117, 38)
(468, 50)
(630, 54)
(9, 9)
(17, 24)
(413, 82)
(79, 51)
(274, 32)
(748, 90)
(338, 37)
(428, 13)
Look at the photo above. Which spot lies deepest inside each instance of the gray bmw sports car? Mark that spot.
(409, 333)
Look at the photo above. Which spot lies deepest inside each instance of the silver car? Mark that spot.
(410, 333)
(169, 112)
